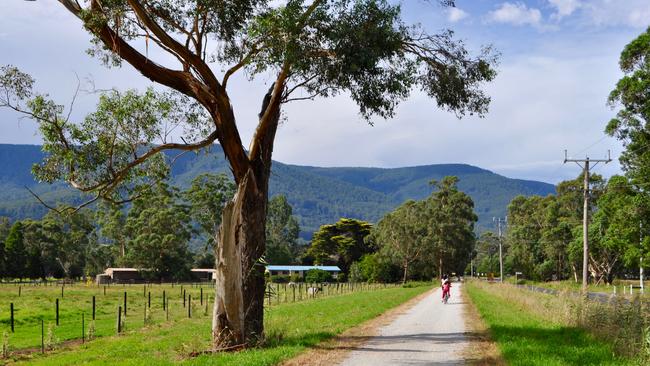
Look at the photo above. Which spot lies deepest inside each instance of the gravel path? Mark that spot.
(430, 333)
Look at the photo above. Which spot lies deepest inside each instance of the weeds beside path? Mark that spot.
(526, 337)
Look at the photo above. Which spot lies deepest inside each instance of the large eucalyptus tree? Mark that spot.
(309, 48)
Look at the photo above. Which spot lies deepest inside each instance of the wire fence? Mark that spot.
(37, 317)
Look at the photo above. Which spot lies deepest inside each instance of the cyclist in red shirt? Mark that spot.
(446, 288)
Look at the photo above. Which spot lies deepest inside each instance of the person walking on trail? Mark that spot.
(446, 287)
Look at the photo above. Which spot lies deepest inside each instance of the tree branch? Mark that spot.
(196, 61)
(239, 65)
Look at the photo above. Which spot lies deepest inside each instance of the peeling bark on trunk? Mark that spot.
(238, 315)
(239, 301)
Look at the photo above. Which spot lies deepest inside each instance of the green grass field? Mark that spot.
(35, 307)
(290, 327)
(526, 335)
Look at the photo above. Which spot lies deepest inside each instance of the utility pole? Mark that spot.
(641, 257)
(585, 214)
(498, 222)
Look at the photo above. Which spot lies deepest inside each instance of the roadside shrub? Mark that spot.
(545, 270)
(280, 279)
(317, 276)
(378, 268)
(624, 324)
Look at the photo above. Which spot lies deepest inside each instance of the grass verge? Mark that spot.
(291, 328)
(533, 329)
(483, 350)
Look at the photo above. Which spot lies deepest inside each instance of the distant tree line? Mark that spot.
(153, 232)
(418, 240)
(543, 239)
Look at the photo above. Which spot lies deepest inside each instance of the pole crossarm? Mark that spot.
(587, 159)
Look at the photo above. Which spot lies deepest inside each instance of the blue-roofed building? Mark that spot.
(277, 270)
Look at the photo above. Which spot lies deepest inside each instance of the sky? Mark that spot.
(559, 61)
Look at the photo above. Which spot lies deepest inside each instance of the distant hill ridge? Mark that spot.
(318, 195)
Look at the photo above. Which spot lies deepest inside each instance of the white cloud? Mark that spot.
(634, 13)
(456, 14)
(604, 13)
(515, 14)
(564, 8)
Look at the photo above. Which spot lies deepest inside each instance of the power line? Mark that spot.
(585, 217)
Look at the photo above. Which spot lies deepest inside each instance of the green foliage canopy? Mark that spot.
(341, 243)
(207, 195)
(318, 276)
(282, 232)
(630, 125)
(159, 229)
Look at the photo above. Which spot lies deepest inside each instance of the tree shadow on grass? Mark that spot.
(561, 346)
(306, 340)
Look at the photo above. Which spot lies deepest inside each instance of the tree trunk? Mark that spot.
(440, 267)
(406, 270)
(238, 313)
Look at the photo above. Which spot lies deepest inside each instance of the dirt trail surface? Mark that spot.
(430, 333)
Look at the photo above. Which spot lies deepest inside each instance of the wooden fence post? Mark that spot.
(57, 312)
(119, 319)
(42, 336)
(12, 317)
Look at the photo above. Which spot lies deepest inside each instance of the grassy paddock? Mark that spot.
(34, 307)
(290, 327)
(539, 329)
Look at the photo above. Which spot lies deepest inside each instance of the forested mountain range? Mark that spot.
(317, 195)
